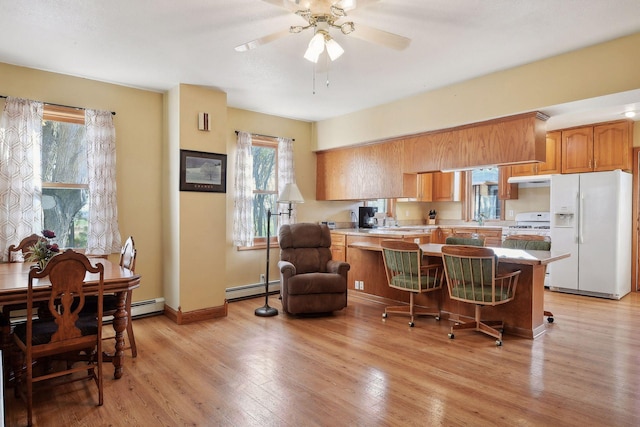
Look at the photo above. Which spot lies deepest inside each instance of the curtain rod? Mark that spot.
(60, 105)
(264, 136)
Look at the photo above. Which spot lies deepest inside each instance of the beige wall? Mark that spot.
(599, 70)
(245, 267)
(139, 130)
(202, 215)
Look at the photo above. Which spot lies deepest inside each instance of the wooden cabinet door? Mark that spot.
(524, 170)
(506, 191)
(554, 155)
(577, 150)
(612, 146)
(443, 186)
(425, 187)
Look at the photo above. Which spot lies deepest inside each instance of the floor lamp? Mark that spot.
(290, 194)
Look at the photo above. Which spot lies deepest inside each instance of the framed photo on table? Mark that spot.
(200, 171)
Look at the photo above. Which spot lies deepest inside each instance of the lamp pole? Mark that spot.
(266, 310)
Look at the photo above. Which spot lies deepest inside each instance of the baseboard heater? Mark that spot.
(251, 291)
(148, 307)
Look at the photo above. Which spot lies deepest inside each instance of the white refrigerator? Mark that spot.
(591, 220)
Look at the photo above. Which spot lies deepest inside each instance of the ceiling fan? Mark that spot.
(322, 16)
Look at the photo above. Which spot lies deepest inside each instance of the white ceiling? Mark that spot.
(158, 44)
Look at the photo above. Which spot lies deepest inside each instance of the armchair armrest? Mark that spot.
(286, 269)
(338, 267)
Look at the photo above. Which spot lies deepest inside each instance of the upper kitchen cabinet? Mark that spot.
(551, 165)
(597, 148)
(514, 139)
(506, 191)
(425, 187)
(612, 146)
(446, 186)
(360, 173)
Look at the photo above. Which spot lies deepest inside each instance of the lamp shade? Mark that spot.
(316, 46)
(290, 194)
(333, 49)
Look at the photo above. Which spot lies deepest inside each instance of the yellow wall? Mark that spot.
(599, 70)
(139, 130)
(245, 267)
(201, 257)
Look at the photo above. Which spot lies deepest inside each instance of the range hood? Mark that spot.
(531, 181)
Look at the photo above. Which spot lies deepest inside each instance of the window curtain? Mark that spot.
(243, 192)
(286, 175)
(20, 174)
(103, 233)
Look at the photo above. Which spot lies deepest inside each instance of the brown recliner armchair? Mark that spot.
(310, 281)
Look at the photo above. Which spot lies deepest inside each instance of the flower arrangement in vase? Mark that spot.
(43, 250)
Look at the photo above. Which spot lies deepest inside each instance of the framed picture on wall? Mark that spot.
(200, 171)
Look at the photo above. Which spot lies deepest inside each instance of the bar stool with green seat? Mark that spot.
(472, 278)
(405, 271)
(531, 243)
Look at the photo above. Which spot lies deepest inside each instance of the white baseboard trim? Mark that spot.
(250, 291)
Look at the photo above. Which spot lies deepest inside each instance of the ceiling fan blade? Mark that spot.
(262, 40)
(348, 5)
(384, 38)
(291, 5)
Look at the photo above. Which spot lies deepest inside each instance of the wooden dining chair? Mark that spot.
(472, 278)
(65, 332)
(406, 272)
(128, 255)
(18, 253)
(533, 243)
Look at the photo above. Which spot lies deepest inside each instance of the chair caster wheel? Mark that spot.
(550, 319)
(384, 315)
(411, 324)
(451, 336)
(499, 343)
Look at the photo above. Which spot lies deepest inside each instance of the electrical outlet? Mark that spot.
(416, 240)
(361, 285)
(511, 213)
(262, 278)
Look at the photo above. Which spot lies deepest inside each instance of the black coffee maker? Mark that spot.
(366, 217)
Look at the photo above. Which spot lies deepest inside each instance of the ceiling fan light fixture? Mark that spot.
(315, 48)
(347, 27)
(333, 48)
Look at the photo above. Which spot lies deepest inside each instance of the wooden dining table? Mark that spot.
(118, 280)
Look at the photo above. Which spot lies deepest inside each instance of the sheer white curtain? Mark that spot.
(103, 234)
(286, 175)
(20, 173)
(243, 193)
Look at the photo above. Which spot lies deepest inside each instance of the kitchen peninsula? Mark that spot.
(523, 316)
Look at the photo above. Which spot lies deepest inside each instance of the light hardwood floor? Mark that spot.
(355, 369)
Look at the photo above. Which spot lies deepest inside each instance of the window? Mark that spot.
(64, 176)
(483, 196)
(265, 190)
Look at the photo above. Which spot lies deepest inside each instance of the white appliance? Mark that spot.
(533, 223)
(591, 219)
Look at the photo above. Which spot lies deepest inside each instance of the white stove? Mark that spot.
(532, 223)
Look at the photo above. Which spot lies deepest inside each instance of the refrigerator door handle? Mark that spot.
(580, 221)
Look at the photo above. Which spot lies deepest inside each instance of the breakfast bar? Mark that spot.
(524, 316)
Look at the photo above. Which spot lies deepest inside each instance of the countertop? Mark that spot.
(411, 230)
